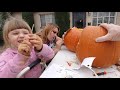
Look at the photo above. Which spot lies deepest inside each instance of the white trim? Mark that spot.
(23, 72)
(115, 21)
(103, 18)
(71, 19)
(46, 13)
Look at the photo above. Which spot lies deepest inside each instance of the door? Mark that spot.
(79, 19)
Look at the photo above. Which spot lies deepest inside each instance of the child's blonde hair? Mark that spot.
(11, 24)
(44, 33)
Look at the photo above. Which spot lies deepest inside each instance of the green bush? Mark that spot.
(28, 17)
(62, 19)
(3, 17)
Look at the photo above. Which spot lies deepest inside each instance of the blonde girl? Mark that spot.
(50, 37)
(22, 48)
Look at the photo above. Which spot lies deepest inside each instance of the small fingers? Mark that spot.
(24, 49)
(27, 42)
(35, 41)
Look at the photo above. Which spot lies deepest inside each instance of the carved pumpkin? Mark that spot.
(107, 53)
(71, 38)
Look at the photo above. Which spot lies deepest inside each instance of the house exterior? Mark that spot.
(95, 18)
(88, 18)
(42, 18)
(78, 19)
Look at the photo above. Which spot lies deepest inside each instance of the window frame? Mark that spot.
(103, 18)
(46, 17)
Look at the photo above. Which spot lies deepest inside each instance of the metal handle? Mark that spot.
(28, 68)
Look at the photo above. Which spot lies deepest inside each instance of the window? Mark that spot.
(103, 17)
(42, 19)
(46, 18)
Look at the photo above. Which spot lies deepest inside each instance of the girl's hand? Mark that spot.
(25, 47)
(112, 35)
(59, 42)
(36, 41)
(58, 45)
(63, 35)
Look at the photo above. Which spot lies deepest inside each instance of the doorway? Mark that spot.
(79, 19)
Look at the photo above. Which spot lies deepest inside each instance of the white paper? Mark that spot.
(57, 71)
(87, 62)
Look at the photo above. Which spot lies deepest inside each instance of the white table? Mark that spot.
(59, 67)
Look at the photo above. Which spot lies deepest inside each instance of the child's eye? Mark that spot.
(26, 33)
(15, 33)
(54, 32)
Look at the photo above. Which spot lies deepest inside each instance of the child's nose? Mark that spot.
(21, 35)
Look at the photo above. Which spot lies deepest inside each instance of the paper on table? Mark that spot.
(57, 71)
(87, 62)
(54, 71)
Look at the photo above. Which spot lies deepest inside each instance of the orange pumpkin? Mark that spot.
(107, 53)
(71, 38)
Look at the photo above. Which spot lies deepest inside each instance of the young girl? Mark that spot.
(22, 48)
(50, 37)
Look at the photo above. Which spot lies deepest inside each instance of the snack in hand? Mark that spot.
(24, 49)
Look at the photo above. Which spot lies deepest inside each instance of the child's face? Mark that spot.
(16, 36)
(52, 34)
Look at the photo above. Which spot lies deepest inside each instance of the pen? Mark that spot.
(102, 73)
(68, 63)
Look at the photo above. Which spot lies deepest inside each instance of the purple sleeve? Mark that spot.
(46, 53)
(10, 65)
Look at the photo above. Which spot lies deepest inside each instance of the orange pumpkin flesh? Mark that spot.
(107, 53)
(71, 38)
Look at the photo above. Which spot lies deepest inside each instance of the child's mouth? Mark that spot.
(53, 38)
(20, 41)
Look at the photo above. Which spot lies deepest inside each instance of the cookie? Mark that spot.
(24, 49)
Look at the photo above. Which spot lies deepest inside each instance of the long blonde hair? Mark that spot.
(44, 33)
(11, 24)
